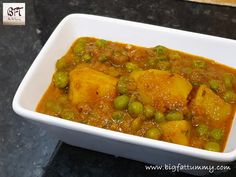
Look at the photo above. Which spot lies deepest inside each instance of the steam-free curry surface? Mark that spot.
(157, 93)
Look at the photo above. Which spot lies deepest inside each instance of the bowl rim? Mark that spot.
(113, 135)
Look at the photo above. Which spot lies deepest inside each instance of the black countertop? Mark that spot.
(27, 150)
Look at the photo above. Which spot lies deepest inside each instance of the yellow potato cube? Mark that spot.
(88, 85)
(176, 131)
(162, 89)
(209, 107)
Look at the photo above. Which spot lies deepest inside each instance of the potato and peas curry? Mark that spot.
(157, 93)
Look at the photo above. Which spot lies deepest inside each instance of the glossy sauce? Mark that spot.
(118, 61)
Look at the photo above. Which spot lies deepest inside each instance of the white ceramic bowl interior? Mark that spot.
(73, 26)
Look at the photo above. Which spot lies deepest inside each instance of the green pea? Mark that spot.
(122, 85)
(159, 117)
(121, 102)
(135, 108)
(202, 130)
(199, 64)
(101, 43)
(117, 116)
(174, 115)
(68, 114)
(212, 146)
(229, 96)
(149, 111)
(228, 80)
(131, 67)
(61, 79)
(87, 58)
(61, 64)
(79, 48)
(214, 84)
(228, 83)
(54, 107)
(103, 58)
(153, 133)
(136, 124)
(217, 134)
(161, 50)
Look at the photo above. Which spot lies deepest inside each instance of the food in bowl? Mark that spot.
(157, 93)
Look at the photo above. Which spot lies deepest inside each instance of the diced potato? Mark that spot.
(176, 131)
(87, 85)
(209, 107)
(162, 89)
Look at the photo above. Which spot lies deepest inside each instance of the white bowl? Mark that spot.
(38, 78)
